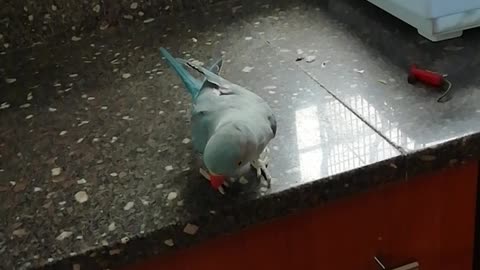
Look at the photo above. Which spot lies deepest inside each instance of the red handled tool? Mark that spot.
(430, 78)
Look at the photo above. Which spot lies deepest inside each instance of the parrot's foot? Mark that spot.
(261, 164)
(221, 188)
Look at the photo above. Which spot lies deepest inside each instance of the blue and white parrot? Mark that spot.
(231, 126)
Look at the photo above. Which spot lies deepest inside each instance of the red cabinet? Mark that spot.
(429, 219)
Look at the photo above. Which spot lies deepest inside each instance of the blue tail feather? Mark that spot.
(192, 84)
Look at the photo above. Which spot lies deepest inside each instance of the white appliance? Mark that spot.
(435, 19)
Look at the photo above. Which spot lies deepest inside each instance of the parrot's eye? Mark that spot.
(239, 163)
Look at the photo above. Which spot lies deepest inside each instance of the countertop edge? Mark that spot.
(445, 154)
(232, 219)
(315, 193)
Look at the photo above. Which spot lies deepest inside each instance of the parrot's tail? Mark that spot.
(192, 84)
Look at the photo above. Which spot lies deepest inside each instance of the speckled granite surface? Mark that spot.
(96, 169)
(24, 23)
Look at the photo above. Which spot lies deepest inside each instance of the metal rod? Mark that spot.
(379, 263)
(440, 99)
(410, 266)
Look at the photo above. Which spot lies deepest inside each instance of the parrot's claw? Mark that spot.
(267, 177)
(261, 165)
(221, 190)
(258, 170)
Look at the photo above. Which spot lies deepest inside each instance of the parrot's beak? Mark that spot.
(216, 180)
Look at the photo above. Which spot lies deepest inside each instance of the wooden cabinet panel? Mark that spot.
(429, 219)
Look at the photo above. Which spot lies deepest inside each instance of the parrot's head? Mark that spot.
(226, 153)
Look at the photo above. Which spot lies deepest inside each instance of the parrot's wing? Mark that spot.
(211, 80)
(200, 130)
(211, 77)
(273, 123)
(217, 66)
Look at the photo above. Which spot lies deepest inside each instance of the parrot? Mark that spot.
(231, 126)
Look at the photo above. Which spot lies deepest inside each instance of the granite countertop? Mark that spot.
(96, 166)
